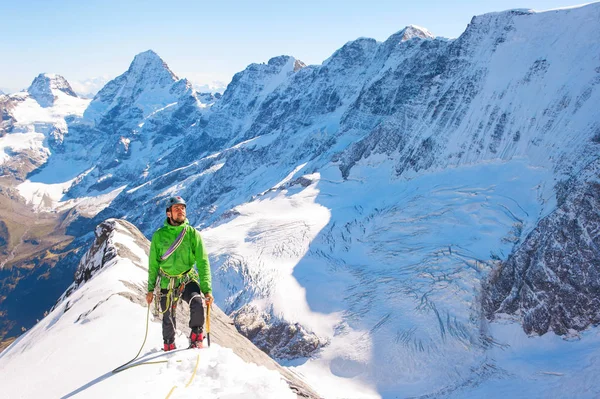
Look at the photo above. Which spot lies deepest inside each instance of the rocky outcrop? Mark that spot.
(279, 339)
(105, 250)
(552, 281)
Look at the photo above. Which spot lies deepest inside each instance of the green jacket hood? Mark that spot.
(170, 226)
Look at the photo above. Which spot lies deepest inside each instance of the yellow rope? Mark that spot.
(171, 391)
(118, 369)
(194, 373)
(123, 366)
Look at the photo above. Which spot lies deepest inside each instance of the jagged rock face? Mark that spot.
(552, 281)
(41, 88)
(4, 239)
(105, 250)
(279, 339)
(37, 121)
(246, 94)
(129, 102)
(424, 103)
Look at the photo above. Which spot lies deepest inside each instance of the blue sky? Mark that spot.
(207, 41)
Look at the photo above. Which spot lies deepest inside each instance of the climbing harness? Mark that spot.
(174, 291)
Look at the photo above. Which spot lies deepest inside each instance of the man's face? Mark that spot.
(177, 213)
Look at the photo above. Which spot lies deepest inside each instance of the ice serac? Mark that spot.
(552, 281)
(44, 87)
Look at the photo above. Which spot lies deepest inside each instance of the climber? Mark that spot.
(174, 249)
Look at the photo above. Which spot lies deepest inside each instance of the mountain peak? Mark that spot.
(45, 86)
(148, 83)
(411, 32)
(149, 62)
(282, 60)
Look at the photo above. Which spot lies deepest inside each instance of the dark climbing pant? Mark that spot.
(191, 294)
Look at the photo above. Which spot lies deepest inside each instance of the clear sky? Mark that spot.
(208, 41)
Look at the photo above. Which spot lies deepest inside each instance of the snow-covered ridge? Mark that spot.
(99, 323)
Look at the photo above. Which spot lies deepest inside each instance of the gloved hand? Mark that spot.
(149, 297)
(209, 299)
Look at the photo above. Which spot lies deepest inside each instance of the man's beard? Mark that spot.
(174, 222)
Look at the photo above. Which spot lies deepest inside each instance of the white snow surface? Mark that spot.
(388, 275)
(72, 351)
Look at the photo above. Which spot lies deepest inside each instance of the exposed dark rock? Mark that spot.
(552, 281)
(4, 238)
(279, 339)
(105, 250)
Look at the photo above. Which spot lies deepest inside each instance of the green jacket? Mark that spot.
(190, 251)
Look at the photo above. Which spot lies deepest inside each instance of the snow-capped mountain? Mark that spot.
(145, 87)
(44, 87)
(353, 210)
(34, 123)
(98, 325)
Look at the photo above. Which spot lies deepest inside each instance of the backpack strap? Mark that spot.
(175, 245)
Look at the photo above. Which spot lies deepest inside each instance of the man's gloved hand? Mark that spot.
(149, 297)
(209, 299)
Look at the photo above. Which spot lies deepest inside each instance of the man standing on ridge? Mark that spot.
(174, 249)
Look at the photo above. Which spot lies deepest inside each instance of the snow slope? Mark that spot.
(100, 325)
